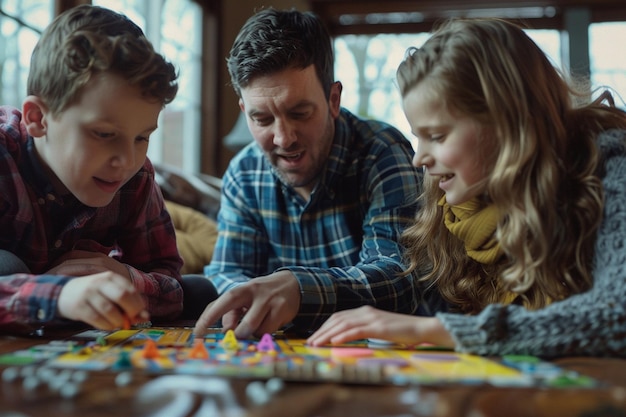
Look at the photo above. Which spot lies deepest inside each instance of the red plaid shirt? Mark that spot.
(38, 225)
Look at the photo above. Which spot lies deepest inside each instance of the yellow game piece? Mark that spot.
(150, 350)
(198, 351)
(230, 341)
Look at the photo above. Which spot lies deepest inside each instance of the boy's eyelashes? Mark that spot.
(103, 135)
(109, 135)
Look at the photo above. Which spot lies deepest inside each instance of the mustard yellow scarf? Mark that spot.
(475, 225)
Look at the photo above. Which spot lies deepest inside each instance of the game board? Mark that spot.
(174, 350)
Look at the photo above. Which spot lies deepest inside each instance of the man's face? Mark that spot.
(293, 123)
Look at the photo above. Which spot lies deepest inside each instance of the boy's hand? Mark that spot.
(80, 263)
(104, 300)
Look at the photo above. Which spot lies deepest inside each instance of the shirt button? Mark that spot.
(41, 314)
(41, 201)
(51, 197)
(58, 244)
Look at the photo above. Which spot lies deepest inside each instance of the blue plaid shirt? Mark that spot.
(342, 244)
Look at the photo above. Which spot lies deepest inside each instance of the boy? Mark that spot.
(85, 235)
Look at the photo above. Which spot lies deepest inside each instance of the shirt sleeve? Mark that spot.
(588, 324)
(242, 248)
(29, 301)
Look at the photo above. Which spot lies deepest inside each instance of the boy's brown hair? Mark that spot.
(87, 40)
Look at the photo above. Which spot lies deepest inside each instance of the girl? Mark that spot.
(523, 218)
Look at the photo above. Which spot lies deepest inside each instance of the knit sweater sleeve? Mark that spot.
(592, 323)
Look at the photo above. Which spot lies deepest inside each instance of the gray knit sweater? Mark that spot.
(592, 323)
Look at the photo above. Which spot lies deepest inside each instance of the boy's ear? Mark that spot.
(34, 113)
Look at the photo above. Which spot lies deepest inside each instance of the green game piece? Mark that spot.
(123, 361)
(10, 359)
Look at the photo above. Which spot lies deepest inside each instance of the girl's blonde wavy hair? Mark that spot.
(545, 174)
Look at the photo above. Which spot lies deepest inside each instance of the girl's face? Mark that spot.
(449, 146)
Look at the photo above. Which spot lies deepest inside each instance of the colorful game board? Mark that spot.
(174, 350)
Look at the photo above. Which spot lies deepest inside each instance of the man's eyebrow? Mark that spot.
(302, 105)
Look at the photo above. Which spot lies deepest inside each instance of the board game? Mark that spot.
(162, 350)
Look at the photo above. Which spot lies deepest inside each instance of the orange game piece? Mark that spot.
(126, 325)
(150, 350)
(198, 351)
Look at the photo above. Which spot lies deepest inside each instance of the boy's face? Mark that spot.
(99, 142)
(293, 123)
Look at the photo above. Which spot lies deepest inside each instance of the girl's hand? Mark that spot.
(369, 323)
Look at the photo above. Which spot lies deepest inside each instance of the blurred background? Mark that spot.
(201, 130)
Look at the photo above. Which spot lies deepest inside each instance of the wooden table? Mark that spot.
(99, 395)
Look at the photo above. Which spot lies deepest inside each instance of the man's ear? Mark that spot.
(242, 106)
(34, 113)
(334, 100)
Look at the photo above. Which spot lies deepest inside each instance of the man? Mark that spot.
(311, 211)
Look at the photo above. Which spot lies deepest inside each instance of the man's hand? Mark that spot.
(104, 300)
(262, 305)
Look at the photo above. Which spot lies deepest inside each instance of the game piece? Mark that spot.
(266, 344)
(150, 350)
(274, 385)
(30, 383)
(10, 374)
(126, 325)
(230, 341)
(256, 393)
(123, 361)
(69, 390)
(123, 379)
(79, 377)
(27, 371)
(198, 351)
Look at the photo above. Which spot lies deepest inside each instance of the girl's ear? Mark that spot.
(34, 113)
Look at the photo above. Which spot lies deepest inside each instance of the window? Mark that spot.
(177, 141)
(21, 22)
(608, 58)
(366, 65)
